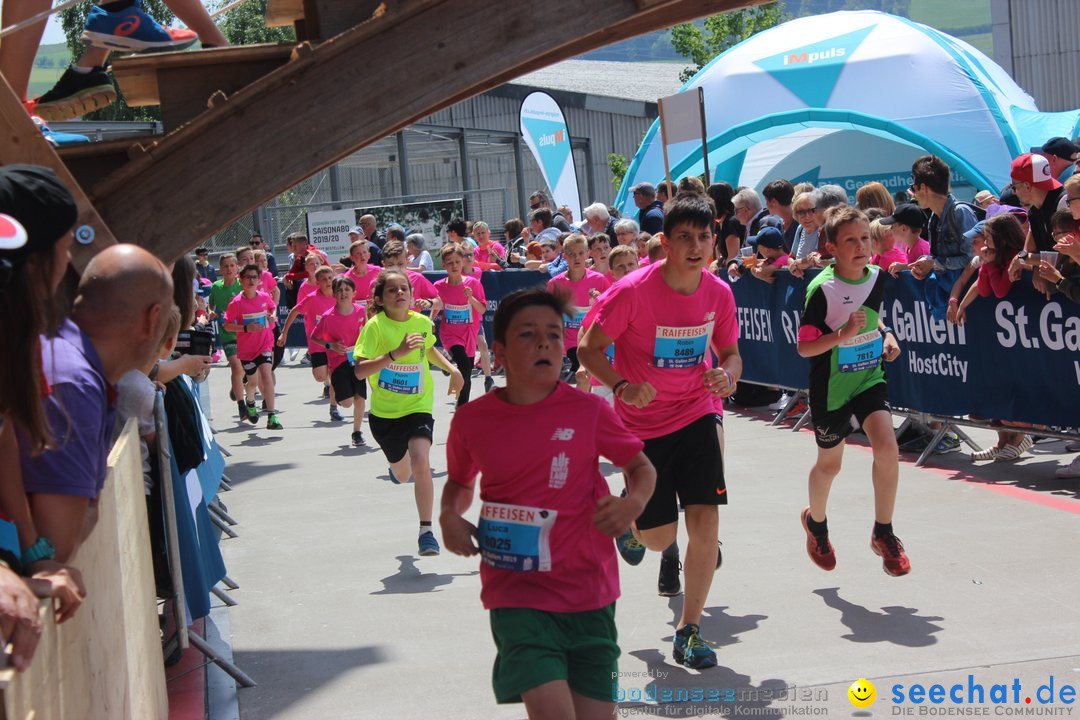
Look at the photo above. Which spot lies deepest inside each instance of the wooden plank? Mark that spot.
(90, 163)
(185, 77)
(21, 142)
(257, 151)
(282, 13)
(106, 661)
(325, 19)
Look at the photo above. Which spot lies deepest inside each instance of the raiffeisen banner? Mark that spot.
(544, 129)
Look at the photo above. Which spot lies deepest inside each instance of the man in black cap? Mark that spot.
(1061, 153)
(650, 210)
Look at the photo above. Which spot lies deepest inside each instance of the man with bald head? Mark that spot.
(116, 323)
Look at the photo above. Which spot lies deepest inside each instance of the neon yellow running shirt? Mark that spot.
(404, 387)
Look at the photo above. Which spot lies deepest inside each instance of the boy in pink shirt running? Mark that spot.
(578, 287)
(362, 273)
(250, 315)
(549, 574)
(313, 306)
(664, 319)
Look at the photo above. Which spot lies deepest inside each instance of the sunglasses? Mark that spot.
(250, 277)
(255, 242)
(535, 206)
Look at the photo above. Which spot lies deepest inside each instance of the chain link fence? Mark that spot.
(493, 205)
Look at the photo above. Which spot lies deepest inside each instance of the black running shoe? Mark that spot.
(335, 415)
(76, 94)
(357, 438)
(669, 584)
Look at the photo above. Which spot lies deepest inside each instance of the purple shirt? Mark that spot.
(81, 416)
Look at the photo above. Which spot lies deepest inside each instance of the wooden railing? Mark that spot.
(105, 663)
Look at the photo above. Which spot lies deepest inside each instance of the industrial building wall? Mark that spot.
(1044, 37)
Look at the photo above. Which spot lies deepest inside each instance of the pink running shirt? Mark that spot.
(890, 256)
(918, 250)
(269, 282)
(364, 283)
(521, 482)
(459, 318)
(313, 306)
(662, 337)
(344, 329)
(580, 299)
(247, 311)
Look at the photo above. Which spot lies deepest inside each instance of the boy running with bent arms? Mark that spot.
(549, 574)
(843, 335)
(664, 319)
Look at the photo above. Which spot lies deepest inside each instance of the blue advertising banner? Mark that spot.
(1015, 358)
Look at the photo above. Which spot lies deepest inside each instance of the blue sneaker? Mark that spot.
(630, 548)
(133, 30)
(59, 139)
(428, 544)
(691, 651)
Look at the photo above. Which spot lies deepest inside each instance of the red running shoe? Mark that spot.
(818, 547)
(894, 559)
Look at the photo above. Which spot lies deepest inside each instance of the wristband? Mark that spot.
(390, 354)
(615, 388)
(327, 345)
(953, 301)
(730, 379)
(40, 550)
(886, 330)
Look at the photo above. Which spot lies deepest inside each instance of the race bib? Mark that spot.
(402, 378)
(681, 347)
(573, 322)
(609, 353)
(258, 318)
(862, 352)
(457, 314)
(515, 537)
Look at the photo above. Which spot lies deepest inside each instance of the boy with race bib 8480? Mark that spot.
(845, 338)
(549, 575)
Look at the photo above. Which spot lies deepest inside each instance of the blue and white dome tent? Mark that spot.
(851, 97)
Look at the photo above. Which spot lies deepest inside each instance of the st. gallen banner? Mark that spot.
(544, 129)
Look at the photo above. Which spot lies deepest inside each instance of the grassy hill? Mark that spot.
(49, 65)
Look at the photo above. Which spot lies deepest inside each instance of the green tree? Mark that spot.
(246, 25)
(720, 32)
(618, 166)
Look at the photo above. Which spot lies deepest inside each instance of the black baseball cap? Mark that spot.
(908, 214)
(43, 205)
(1059, 147)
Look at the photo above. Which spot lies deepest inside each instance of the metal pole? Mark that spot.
(704, 138)
(466, 182)
(171, 534)
(335, 187)
(234, 672)
(590, 174)
(403, 162)
(519, 177)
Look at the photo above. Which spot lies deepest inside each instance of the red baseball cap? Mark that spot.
(1035, 171)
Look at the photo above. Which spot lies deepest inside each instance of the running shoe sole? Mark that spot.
(77, 105)
(115, 42)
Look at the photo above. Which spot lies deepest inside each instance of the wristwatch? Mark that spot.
(40, 550)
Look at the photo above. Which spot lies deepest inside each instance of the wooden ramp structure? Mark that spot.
(244, 123)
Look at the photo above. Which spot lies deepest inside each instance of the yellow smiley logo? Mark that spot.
(862, 693)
